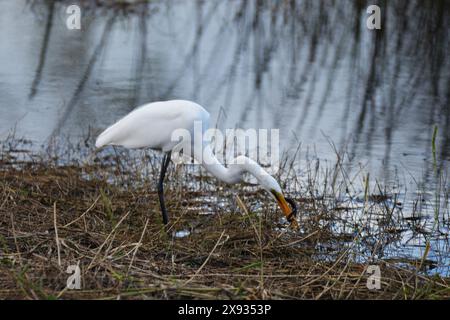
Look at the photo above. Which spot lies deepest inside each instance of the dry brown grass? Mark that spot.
(106, 219)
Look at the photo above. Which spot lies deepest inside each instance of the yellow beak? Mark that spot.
(288, 212)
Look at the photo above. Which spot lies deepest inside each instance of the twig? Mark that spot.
(58, 247)
(137, 246)
(206, 261)
(109, 235)
(244, 208)
(84, 213)
(15, 237)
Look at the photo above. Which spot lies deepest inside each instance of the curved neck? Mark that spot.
(231, 174)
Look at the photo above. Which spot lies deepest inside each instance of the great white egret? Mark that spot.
(152, 126)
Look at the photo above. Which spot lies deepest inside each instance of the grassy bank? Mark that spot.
(103, 215)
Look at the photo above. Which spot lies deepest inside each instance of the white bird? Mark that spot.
(152, 125)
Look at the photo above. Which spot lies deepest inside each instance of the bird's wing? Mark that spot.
(153, 124)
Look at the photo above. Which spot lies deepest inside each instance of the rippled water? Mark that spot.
(310, 68)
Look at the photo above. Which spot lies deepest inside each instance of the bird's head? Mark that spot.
(270, 184)
(287, 205)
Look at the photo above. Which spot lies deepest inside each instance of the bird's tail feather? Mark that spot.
(104, 138)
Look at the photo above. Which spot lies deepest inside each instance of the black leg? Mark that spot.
(165, 164)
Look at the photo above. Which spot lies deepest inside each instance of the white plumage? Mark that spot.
(152, 126)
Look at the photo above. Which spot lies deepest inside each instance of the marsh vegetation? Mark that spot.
(103, 215)
(364, 119)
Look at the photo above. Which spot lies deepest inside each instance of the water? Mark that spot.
(307, 67)
(310, 68)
